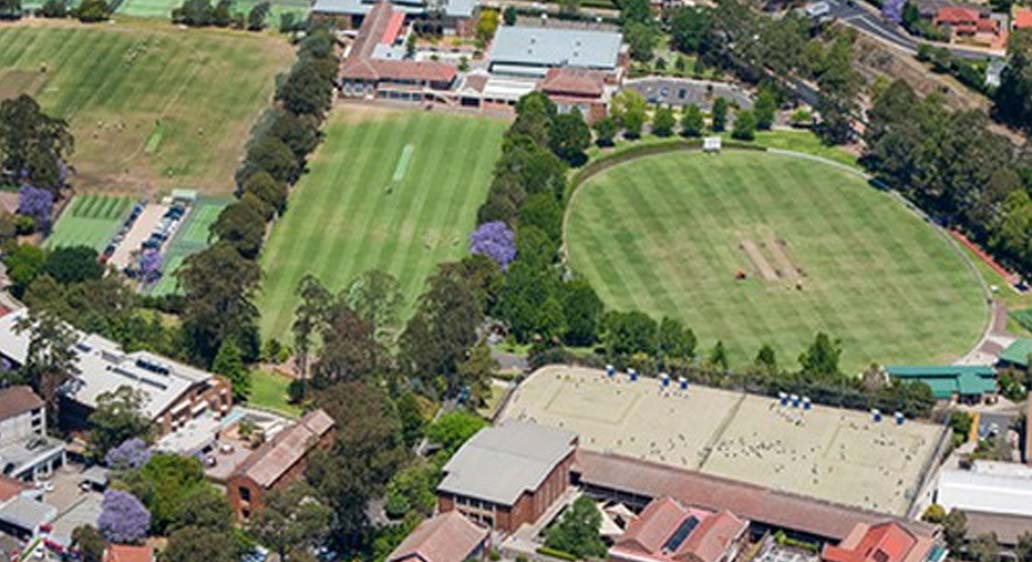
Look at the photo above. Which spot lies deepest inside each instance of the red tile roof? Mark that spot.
(573, 81)
(648, 535)
(378, 25)
(1023, 18)
(954, 15)
(772, 507)
(887, 542)
(275, 457)
(127, 553)
(448, 537)
(393, 28)
(17, 400)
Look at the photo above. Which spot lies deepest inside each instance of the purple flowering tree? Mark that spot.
(151, 263)
(496, 241)
(893, 9)
(36, 203)
(123, 519)
(132, 453)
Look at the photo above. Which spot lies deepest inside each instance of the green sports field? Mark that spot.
(163, 9)
(389, 190)
(89, 220)
(151, 106)
(820, 250)
(192, 237)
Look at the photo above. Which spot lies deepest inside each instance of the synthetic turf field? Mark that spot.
(150, 106)
(347, 215)
(89, 220)
(667, 235)
(192, 237)
(832, 454)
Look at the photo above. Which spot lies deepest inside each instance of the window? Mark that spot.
(245, 513)
(245, 493)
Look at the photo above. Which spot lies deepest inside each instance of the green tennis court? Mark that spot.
(89, 220)
(191, 238)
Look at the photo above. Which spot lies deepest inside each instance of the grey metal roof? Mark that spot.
(547, 46)
(452, 8)
(26, 513)
(499, 463)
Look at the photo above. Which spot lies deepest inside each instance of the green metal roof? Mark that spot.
(947, 380)
(1017, 352)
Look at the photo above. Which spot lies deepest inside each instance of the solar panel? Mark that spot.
(682, 532)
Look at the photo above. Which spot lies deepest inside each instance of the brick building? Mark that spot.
(508, 475)
(447, 537)
(670, 531)
(278, 462)
(175, 393)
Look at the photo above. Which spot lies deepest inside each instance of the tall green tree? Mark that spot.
(219, 284)
(90, 544)
(689, 28)
(718, 114)
(765, 108)
(577, 532)
(293, 518)
(229, 362)
(582, 310)
(663, 122)
(674, 340)
(569, 136)
(822, 357)
(190, 544)
(51, 357)
(118, 417)
(33, 143)
(309, 318)
(745, 126)
(73, 264)
(692, 121)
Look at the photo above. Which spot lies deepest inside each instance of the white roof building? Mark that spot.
(988, 489)
(500, 463)
(104, 367)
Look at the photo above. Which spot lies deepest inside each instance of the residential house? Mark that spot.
(279, 462)
(884, 542)
(669, 531)
(128, 553)
(26, 453)
(446, 537)
(508, 475)
(968, 23)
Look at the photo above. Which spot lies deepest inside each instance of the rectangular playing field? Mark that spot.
(89, 220)
(837, 455)
(192, 237)
(394, 190)
(151, 106)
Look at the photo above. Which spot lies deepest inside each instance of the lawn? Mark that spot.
(269, 390)
(389, 190)
(820, 249)
(89, 220)
(191, 238)
(163, 8)
(151, 106)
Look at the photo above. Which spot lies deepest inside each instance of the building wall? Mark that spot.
(217, 396)
(17, 428)
(527, 509)
(244, 508)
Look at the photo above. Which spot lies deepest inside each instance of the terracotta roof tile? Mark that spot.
(1023, 18)
(448, 537)
(275, 457)
(772, 507)
(573, 81)
(128, 553)
(16, 400)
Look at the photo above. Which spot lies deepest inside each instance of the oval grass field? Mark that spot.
(819, 249)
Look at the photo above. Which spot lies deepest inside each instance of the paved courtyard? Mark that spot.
(827, 453)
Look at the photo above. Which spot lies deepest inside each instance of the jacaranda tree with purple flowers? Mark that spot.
(36, 203)
(123, 518)
(893, 9)
(496, 241)
(151, 263)
(132, 453)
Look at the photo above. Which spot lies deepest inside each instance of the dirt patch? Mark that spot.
(13, 83)
(357, 112)
(786, 268)
(758, 260)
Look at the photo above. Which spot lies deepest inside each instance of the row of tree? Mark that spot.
(955, 168)
(201, 13)
(87, 11)
(219, 282)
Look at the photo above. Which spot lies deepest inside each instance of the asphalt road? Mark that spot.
(866, 20)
